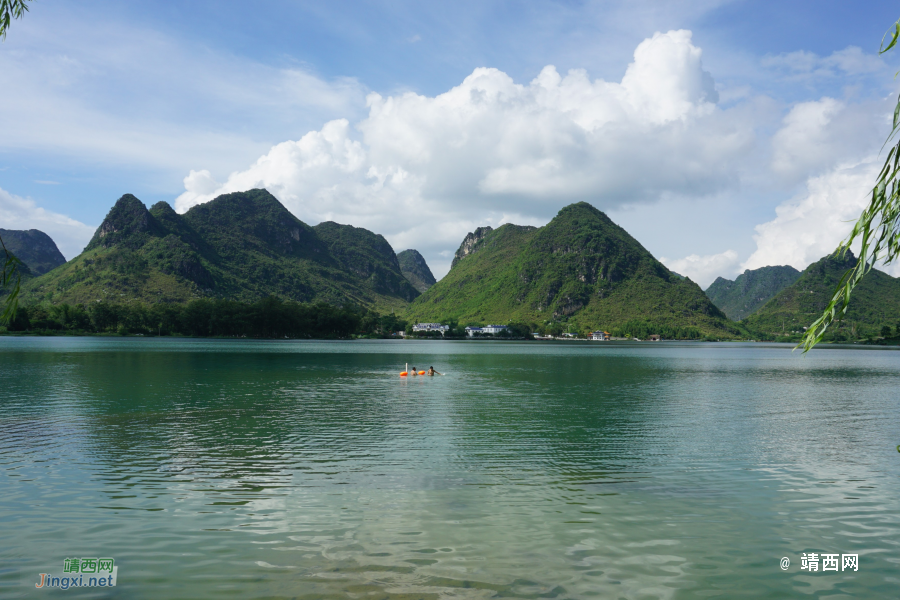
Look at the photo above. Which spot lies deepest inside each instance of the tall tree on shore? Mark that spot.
(877, 229)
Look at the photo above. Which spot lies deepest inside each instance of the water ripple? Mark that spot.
(310, 470)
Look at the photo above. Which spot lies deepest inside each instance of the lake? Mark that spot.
(310, 469)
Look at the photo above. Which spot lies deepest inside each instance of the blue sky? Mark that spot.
(775, 141)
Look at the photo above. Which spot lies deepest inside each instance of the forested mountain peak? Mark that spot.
(367, 255)
(128, 223)
(242, 246)
(255, 220)
(603, 251)
(416, 270)
(580, 268)
(36, 250)
(875, 304)
(750, 290)
(342, 239)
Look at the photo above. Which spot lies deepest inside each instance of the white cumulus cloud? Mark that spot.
(71, 236)
(425, 170)
(812, 224)
(703, 269)
(817, 135)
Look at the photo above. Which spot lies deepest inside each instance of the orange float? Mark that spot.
(421, 372)
(404, 374)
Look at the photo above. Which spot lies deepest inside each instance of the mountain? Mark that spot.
(368, 256)
(875, 302)
(34, 248)
(415, 269)
(580, 268)
(471, 243)
(750, 290)
(241, 246)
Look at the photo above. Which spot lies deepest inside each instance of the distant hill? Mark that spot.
(580, 268)
(875, 302)
(241, 246)
(415, 269)
(750, 290)
(368, 256)
(34, 248)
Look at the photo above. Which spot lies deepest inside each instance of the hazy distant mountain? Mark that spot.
(242, 246)
(34, 248)
(415, 269)
(581, 266)
(875, 301)
(750, 290)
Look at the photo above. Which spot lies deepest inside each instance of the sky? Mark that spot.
(723, 135)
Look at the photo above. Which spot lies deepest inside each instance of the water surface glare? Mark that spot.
(245, 469)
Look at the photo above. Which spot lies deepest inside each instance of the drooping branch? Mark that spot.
(877, 229)
(9, 10)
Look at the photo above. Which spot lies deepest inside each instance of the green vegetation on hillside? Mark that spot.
(876, 304)
(750, 290)
(581, 270)
(368, 256)
(243, 246)
(415, 269)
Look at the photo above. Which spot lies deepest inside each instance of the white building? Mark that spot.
(600, 336)
(492, 329)
(431, 327)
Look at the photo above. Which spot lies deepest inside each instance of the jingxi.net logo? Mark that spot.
(81, 572)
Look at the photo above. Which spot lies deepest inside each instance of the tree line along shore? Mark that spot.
(271, 318)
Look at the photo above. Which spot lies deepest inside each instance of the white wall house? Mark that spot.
(600, 336)
(431, 327)
(492, 329)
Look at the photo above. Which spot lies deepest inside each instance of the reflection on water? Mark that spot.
(310, 470)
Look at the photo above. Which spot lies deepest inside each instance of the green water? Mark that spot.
(230, 469)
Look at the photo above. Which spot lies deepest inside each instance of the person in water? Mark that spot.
(432, 372)
(413, 371)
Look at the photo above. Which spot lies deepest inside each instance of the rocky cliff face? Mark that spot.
(34, 248)
(470, 244)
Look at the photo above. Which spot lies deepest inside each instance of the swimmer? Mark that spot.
(432, 372)
(413, 371)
